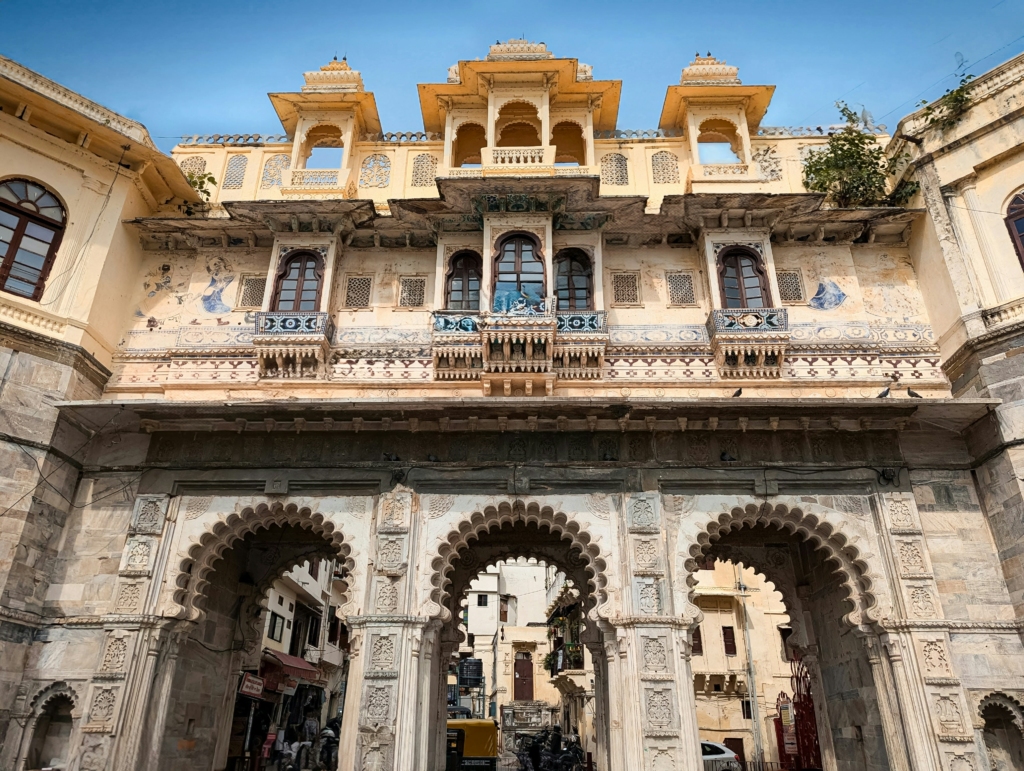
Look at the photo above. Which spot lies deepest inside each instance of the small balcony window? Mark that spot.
(463, 284)
(298, 283)
(742, 279)
(574, 282)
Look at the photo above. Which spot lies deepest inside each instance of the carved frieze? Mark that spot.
(114, 654)
(655, 654)
(922, 602)
(395, 512)
(387, 597)
(961, 761)
(129, 598)
(911, 558)
(390, 554)
(137, 557)
(935, 659)
(150, 514)
(649, 598)
(659, 710)
(100, 716)
(382, 652)
(643, 515)
(377, 703)
(902, 516)
(663, 758)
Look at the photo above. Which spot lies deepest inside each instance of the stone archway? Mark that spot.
(220, 597)
(1003, 731)
(830, 586)
(59, 696)
(503, 532)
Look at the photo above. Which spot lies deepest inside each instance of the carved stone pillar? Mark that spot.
(592, 638)
(963, 285)
(916, 724)
(895, 743)
(651, 701)
(149, 686)
(387, 699)
(353, 696)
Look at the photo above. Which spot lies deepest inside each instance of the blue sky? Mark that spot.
(184, 68)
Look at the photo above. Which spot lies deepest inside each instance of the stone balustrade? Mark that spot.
(1003, 314)
(313, 178)
(506, 156)
(727, 170)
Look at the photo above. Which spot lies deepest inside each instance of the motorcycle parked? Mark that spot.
(550, 751)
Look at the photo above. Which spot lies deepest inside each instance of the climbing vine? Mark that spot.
(202, 183)
(949, 108)
(852, 170)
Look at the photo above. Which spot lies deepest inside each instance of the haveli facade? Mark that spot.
(520, 332)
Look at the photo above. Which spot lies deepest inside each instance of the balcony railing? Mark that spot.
(455, 322)
(749, 342)
(515, 156)
(293, 323)
(293, 344)
(521, 342)
(328, 179)
(580, 322)
(518, 160)
(723, 170)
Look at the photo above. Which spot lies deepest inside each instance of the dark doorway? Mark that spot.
(735, 744)
(523, 690)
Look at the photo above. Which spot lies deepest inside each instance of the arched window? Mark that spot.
(470, 139)
(518, 275)
(298, 283)
(1015, 223)
(567, 137)
(463, 290)
(52, 735)
(31, 227)
(573, 281)
(742, 279)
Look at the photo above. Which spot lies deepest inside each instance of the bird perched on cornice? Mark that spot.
(913, 393)
(739, 392)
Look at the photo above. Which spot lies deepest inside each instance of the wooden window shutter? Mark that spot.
(729, 638)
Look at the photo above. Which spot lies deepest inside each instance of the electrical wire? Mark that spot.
(63, 462)
(87, 242)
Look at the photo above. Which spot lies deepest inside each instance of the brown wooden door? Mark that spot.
(523, 690)
(736, 745)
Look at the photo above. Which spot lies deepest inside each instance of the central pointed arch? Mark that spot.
(825, 530)
(566, 544)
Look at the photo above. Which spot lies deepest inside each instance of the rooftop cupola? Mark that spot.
(709, 71)
(333, 77)
(517, 49)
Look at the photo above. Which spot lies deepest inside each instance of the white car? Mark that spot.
(718, 757)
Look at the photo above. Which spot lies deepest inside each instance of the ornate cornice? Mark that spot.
(65, 97)
(907, 625)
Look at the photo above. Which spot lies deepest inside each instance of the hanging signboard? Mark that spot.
(788, 728)
(251, 686)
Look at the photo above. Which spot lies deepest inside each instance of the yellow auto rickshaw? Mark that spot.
(472, 745)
